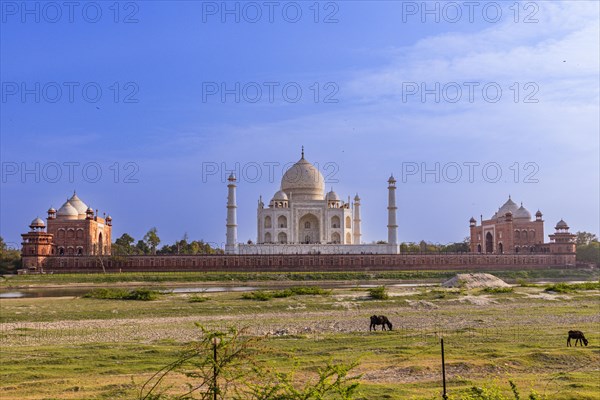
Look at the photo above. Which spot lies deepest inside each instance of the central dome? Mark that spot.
(303, 181)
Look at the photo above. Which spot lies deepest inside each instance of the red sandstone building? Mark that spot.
(73, 230)
(511, 230)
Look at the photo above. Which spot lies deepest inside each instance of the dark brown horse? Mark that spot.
(380, 320)
(578, 336)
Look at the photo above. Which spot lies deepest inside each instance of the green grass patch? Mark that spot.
(495, 290)
(572, 287)
(198, 299)
(265, 295)
(122, 294)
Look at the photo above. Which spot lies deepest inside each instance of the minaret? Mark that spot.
(392, 226)
(356, 222)
(231, 245)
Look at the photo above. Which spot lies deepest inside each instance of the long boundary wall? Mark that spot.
(298, 263)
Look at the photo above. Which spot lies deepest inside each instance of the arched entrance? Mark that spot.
(308, 229)
(335, 238)
(282, 237)
(489, 243)
(500, 248)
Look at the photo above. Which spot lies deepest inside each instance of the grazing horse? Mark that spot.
(578, 336)
(380, 320)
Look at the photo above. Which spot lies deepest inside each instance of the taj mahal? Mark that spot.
(302, 227)
(301, 219)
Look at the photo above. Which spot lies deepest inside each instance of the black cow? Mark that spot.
(380, 320)
(578, 336)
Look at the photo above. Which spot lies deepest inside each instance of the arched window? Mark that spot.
(335, 221)
(79, 233)
(348, 222)
(307, 225)
(268, 237)
(282, 237)
(61, 251)
(348, 238)
(479, 248)
(517, 236)
(61, 233)
(500, 248)
(268, 222)
(282, 221)
(307, 239)
(70, 234)
(532, 235)
(524, 236)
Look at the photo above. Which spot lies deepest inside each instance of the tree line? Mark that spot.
(149, 244)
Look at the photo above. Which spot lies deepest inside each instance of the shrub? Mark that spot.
(197, 299)
(498, 290)
(142, 294)
(264, 295)
(379, 293)
(122, 294)
(572, 287)
(261, 295)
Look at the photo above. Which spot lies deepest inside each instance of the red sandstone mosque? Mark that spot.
(511, 230)
(74, 230)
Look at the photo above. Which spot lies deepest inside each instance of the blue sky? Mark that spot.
(507, 92)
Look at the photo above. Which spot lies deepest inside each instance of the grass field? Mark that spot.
(192, 277)
(86, 348)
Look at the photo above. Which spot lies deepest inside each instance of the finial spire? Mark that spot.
(302, 151)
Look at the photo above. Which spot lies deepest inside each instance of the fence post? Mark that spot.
(444, 395)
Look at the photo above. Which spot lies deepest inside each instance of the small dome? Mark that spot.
(79, 205)
(522, 213)
(109, 218)
(472, 220)
(37, 223)
(67, 210)
(538, 213)
(332, 196)
(280, 196)
(356, 198)
(51, 210)
(89, 210)
(561, 225)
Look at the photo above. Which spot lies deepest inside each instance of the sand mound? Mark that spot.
(470, 281)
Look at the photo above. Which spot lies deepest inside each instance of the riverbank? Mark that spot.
(96, 348)
(185, 278)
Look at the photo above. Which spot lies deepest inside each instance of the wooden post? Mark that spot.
(444, 395)
(215, 370)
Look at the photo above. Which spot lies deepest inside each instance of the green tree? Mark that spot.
(152, 240)
(123, 245)
(585, 238)
(142, 248)
(10, 258)
(589, 253)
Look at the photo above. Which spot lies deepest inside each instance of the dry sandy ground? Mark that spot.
(417, 317)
